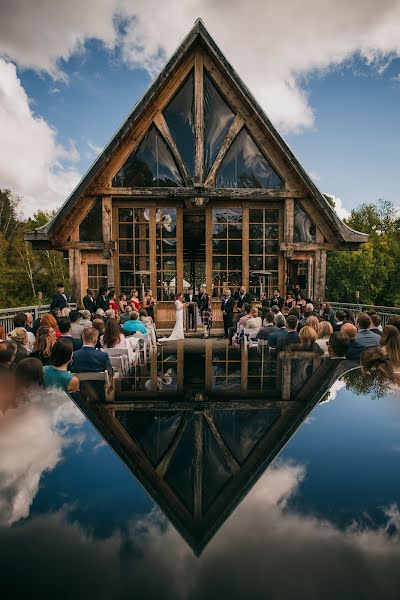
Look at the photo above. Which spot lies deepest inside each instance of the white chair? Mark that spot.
(117, 364)
(145, 344)
(94, 376)
(115, 353)
(250, 335)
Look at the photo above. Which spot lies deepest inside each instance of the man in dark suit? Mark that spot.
(60, 300)
(244, 297)
(102, 300)
(189, 298)
(277, 300)
(89, 302)
(64, 325)
(227, 306)
(269, 328)
(88, 359)
(340, 317)
(364, 338)
(273, 338)
(292, 337)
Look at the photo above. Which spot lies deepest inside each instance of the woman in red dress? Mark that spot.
(135, 302)
(112, 302)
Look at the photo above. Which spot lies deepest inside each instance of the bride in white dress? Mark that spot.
(178, 330)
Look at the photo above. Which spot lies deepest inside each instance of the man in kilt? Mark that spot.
(204, 306)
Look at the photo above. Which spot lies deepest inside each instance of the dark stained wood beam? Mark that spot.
(198, 191)
(163, 128)
(164, 464)
(228, 456)
(232, 133)
(198, 466)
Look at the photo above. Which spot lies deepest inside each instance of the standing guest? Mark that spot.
(134, 325)
(290, 302)
(339, 319)
(277, 300)
(2, 334)
(19, 336)
(8, 351)
(227, 306)
(254, 322)
(281, 331)
(76, 324)
(112, 303)
(56, 374)
(89, 302)
(60, 299)
(264, 301)
(89, 359)
(134, 300)
(149, 303)
(390, 342)
(363, 339)
(29, 374)
(292, 337)
(204, 306)
(19, 321)
(44, 346)
(349, 318)
(85, 319)
(65, 329)
(48, 320)
(376, 326)
(244, 297)
(191, 299)
(325, 330)
(122, 304)
(102, 300)
(268, 327)
(126, 315)
(113, 336)
(338, 345)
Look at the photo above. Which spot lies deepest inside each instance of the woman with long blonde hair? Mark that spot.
(313, 322)
(325, 330)
(390, 342)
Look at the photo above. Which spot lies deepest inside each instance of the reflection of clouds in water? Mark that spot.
(335, 388)
(32, 438)
(286, 555)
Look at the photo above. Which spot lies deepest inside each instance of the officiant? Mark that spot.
(191, 301)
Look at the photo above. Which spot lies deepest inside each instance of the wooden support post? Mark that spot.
(198, 117)
(322, 275)
(209, 250)
(107, 237)
(75, 275)
(179, 250)
(317, 274)
(289, 220)
(245, 245)
(198, 466)
(286, 374)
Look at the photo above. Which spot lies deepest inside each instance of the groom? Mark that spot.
(204, 306)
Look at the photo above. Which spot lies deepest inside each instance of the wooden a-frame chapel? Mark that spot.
(196, 187)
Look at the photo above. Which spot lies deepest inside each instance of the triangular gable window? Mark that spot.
(245, 167)
(304, 230)
(151, 165)
(179, 116)
(218, 117)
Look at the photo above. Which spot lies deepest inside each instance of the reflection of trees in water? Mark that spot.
(370, 382)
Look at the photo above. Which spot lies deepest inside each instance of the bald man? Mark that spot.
(349, 329)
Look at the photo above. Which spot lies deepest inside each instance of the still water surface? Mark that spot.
(207, 474)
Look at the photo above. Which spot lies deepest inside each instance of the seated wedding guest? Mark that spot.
(2, 334)
(254, 322)
(134, 300)
(100, 314)
(19, 336)
(363, 339)
(29, 374)
(134, 325)
(113, 336)
(127, 314)
(281, 331)
(8, 351)
(100, 326)
(148, 323)
(290, 301)
(308, 341)
(89, 359)
(349, 316)
(64, 325)
(242, 312)
(85, 319)
(314, 323)
(268, 326)
(376, 326)
(89, 302)
(394, 320)
(29, 321)
(112, 302)
(339, 319)
(76, 324)
(309, 310)
(325, 330)
(111, 314)
(56, 374)
(375, 360)
(276, 310)
(65, 311)
(292, 337)
(49, 320)
(390, 342)
(122, 304)
(338, 344)
(326, 313)
(247, 315)
(43, 346)
(20, 321)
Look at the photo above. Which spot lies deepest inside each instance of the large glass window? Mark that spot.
(245, 167)
(218, 117)
(179, 115)
(304, 230)
(263, 248)
(226, 249)
(150, 165)
(134, 248)
(166, 253)
(97, 277)
(91, 228)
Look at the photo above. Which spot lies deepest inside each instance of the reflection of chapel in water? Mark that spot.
(196, 187)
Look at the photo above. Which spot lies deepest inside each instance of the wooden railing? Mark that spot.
(7, 314)
(384, 311)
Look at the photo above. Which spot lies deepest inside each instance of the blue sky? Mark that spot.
(67, 81)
